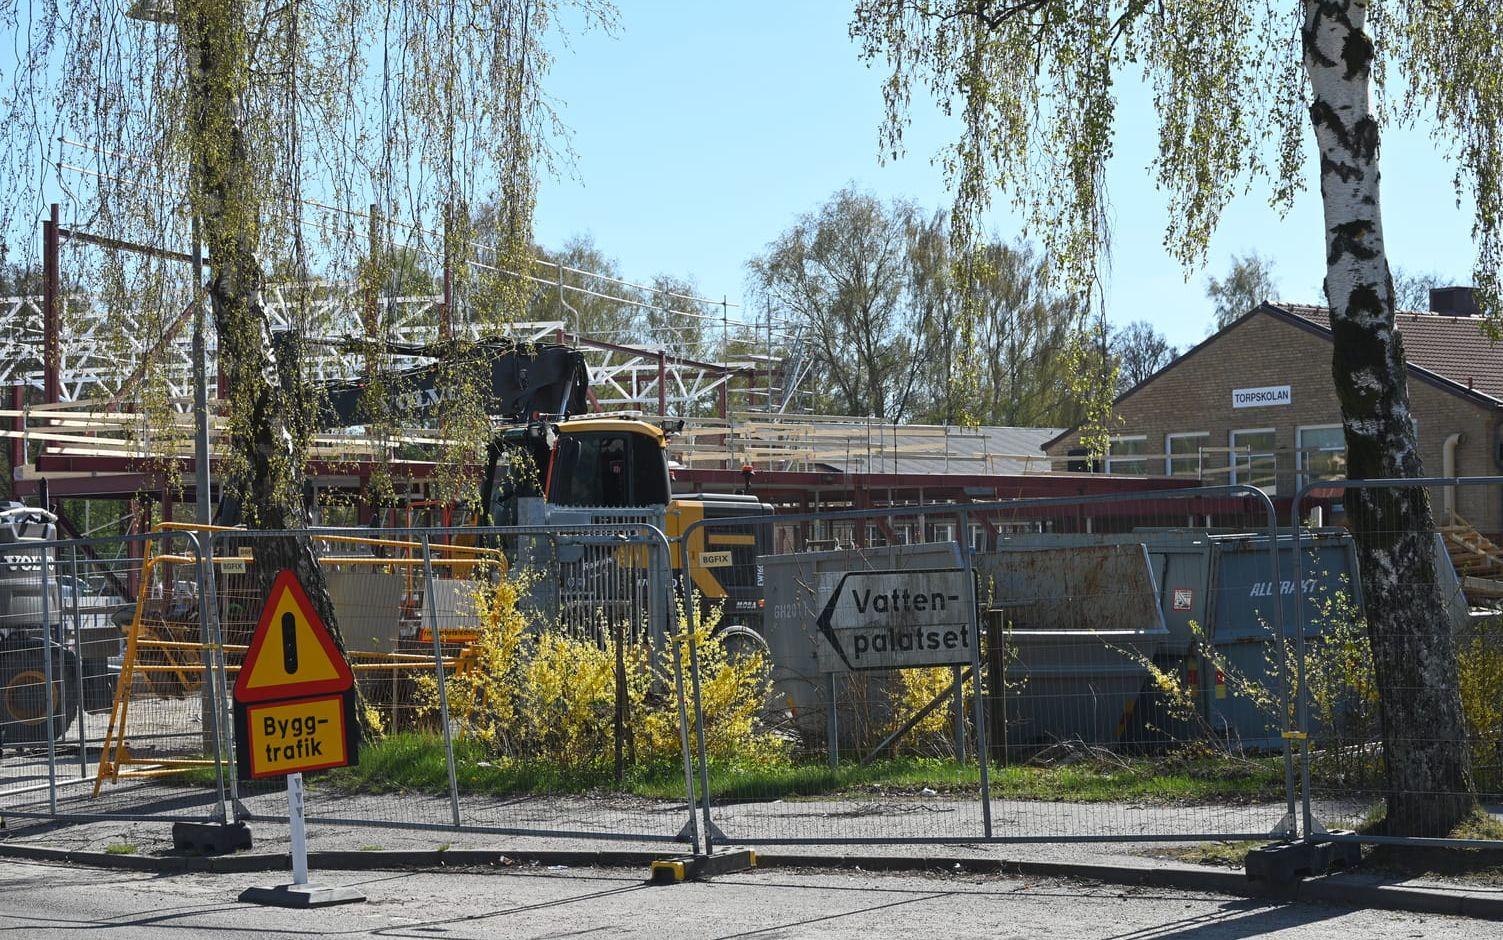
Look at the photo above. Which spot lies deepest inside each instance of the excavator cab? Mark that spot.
(517, 467)
(585, 463)
(609, 463)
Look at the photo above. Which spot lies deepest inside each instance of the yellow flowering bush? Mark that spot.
(911, 690)
(525, 692)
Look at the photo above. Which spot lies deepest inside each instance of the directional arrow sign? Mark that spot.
(895, 619)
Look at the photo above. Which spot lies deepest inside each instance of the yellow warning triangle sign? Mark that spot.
(292, 653)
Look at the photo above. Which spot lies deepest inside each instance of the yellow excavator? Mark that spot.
(552, 464)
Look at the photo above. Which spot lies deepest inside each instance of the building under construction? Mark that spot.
(78, 429)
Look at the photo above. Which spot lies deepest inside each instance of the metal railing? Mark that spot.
(1061, 674)
(1425, 703)
(1165, 667)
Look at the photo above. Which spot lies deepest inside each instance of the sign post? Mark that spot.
(299, 830)
(294, 712)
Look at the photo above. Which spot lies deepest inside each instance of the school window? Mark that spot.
(978, 537)
(1253, 460)
(1184, 454)
(844, 533)
(1128, 455)
(1322, 453)
(942, 532)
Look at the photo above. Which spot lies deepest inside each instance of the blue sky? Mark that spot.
(703, 129)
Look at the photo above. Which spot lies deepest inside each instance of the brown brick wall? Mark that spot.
(1195, 394)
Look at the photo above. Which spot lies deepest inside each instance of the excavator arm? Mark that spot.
(526, 381)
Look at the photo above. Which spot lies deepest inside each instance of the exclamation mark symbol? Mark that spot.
(289, 643)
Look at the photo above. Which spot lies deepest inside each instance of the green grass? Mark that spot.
(405, 763)
(1218, 854)
(1478, 866)
(414, 763)
(199, 776)
(120, 848)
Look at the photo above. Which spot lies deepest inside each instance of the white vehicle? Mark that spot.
(84, 635)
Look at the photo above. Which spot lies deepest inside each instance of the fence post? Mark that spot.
(48, 651)
(1302, 706)
(683, 707)
(832, 721)
(211, 692)
(957, 714)
(983, 748)
(1280, 632)
(438, 667)
(78, 664)
(226, 776)
(699, 736)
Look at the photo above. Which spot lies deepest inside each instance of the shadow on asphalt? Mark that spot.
(1237, 919)
(1233, 920)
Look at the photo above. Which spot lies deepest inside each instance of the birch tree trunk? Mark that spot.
(264, 382)
(1425, 749)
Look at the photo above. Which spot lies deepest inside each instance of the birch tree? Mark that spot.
(1241, 89)
(275, 124)
(842, 273)
(1249, 282)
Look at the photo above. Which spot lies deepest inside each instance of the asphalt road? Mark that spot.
(45, 901)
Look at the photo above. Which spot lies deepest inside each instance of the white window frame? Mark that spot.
(1299, 446)
(977, 535)
(1199, 456)
(1140, 458)
(942, 531)
(1234, 455)
(843, 533)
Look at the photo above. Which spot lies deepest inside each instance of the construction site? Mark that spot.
(629, 491)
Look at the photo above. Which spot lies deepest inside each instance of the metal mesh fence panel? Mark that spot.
(1402, 666)
(1131, 651)
(113, 625)
(509, 679)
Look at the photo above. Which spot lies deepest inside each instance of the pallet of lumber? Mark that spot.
(1477, 559)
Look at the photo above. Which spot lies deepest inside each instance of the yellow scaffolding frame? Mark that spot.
(116, 761)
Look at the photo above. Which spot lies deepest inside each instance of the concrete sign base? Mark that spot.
(293, 895)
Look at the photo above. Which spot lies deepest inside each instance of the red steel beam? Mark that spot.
(51, 352)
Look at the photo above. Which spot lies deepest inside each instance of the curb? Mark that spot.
(1328, 890)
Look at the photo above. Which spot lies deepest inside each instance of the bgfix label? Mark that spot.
(296, 736)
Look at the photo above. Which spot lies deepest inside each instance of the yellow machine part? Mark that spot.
(681, 515)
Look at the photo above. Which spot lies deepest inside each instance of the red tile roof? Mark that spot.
(1457, 349)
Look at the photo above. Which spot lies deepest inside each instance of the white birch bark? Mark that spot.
(1425, 749)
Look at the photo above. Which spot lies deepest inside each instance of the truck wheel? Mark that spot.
(23, 694)
(740, 641)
